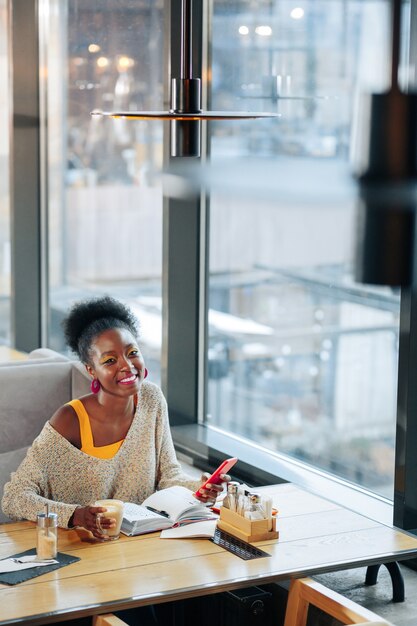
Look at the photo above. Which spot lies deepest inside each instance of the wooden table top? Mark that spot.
(316, 536)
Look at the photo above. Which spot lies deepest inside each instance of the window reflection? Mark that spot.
(308, 363)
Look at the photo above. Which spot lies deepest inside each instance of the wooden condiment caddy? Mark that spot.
(245, 529)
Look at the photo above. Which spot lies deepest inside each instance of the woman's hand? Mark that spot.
(211, 491)
(89, 517)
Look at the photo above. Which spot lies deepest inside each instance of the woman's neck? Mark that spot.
(109, 407)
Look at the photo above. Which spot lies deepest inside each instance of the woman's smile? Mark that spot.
(128, 380)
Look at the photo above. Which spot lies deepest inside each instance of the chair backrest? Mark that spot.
(305, 592)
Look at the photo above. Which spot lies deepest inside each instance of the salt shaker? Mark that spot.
(46, 536)
(229, 501)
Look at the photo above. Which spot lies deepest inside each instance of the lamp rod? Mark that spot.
(395, 42)
(186, 39)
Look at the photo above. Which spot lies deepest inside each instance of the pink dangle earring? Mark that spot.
(95, 385)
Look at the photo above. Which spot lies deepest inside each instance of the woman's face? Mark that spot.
(117, 362)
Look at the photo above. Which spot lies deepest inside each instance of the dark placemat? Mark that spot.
(244, 550)
(13, 578)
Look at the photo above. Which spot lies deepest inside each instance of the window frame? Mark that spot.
(185, 280)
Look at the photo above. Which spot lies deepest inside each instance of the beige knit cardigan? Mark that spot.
(56, 472)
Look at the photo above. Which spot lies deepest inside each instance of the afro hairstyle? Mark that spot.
(89, 318)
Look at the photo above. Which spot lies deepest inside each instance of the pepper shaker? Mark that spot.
(255, 509)
(46, 536)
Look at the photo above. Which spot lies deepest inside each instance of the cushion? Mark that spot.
(29, 396)
(80, 380)
(47, 353)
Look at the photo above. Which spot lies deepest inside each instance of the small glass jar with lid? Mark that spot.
(46, 536)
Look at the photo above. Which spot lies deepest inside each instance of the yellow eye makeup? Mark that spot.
(106, 360)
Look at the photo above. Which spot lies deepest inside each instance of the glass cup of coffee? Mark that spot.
(114, 510)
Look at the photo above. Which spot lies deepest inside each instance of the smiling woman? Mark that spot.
(112, 443)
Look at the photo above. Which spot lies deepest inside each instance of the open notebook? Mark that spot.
(166, 508)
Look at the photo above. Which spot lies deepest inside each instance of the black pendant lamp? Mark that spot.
(386, 169)
(185, 112)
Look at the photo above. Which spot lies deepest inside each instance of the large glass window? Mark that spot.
(104, 206)
(5, 256)
(302, 358)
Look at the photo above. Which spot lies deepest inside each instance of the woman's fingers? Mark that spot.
(212, 491)
(95, 522)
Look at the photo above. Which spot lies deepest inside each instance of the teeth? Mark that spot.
(128, 380)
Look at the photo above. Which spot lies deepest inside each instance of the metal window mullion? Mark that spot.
(405, 492)
(26, 213)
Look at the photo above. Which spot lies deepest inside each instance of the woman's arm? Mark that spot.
(53, 463)
(169, 471)
(26, 494)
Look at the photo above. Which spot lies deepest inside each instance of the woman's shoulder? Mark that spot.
(151, 394)
(65, 422)
(151, 389)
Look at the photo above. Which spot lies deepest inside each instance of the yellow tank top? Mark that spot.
(87, 442)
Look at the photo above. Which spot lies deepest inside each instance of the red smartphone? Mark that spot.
(215, 477)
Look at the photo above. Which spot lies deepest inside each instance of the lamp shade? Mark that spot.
(185, 112)
(385, 236)
(385, 162)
